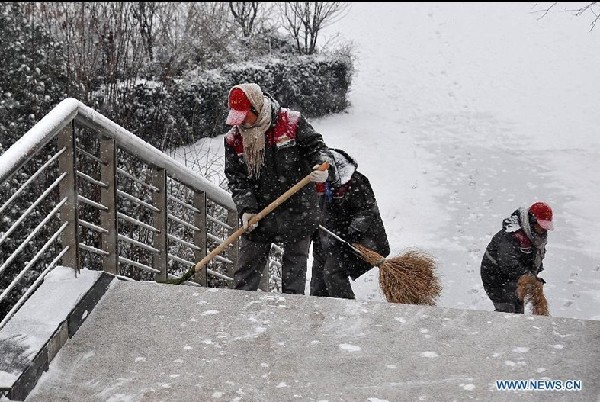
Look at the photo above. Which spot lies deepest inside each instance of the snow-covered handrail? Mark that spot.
(89, 213)
(70, 109)
(38, 136)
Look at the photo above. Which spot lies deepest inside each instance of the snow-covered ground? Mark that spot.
(460, 113)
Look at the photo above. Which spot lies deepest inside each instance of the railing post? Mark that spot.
(232, 252)
(159, 199)
(67, 188)
(200, 235)
(108, 197)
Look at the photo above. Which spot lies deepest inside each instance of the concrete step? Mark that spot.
(54, 312)
(156, 342)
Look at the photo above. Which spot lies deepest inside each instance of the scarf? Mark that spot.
(539, 241)
(253, 137)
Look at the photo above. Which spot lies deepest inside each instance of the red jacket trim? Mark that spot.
(281, 136)
(524, 241)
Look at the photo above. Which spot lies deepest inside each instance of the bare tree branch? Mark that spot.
(546, 10)
(591, 7)
(244, 13)
(305, 20)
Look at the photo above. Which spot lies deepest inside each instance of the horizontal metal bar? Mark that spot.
(217, 274)
(223, 259)
(181, 241)
(183, 204)
(218, 222)
(89, 155)
(32, 234)
(91, 179)
(93, 249)
(92, 203)
(181, 260)
(191, 283)
(208, 271)
(137, 201)
(136, 222)
(181, 221)
(135, 179)
(33, 287)
(32, 178)
(138, 243)
(92, 226)
(215, 238)
(33, 261)
(31, 207)
(138, 265)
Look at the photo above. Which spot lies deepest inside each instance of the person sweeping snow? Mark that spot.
(350, 211)
(269, 149)
(517, 251)
(352, 240)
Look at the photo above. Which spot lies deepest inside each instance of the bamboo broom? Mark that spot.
(409, 278)
(530, 290)
(267, 210)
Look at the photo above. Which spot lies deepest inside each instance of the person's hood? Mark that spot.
(345, 166)
(519, 219)
(275, 108)
(513, 222)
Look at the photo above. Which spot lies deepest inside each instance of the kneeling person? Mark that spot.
(517, 249)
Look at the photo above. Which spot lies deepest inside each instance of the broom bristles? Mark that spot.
(531, 292)
(409, 278)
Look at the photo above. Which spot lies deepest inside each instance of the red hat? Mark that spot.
(543, 214)
(239, 106)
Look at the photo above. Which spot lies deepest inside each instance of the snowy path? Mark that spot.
(484, 184)
(460, 113)
(480, 176)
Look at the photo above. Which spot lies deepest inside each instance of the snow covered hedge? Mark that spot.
(193, 107)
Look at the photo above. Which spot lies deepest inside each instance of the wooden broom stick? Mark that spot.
(267, 210)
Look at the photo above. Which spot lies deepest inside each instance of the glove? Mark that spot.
(246, 220)
(318, 176)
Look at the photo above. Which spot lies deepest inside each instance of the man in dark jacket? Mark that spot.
(267, 151)
(350, 211)
(515, 250)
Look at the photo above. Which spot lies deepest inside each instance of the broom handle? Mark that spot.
(339, 238)
(268, 209)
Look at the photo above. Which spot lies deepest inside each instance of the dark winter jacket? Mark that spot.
(513, 251)
(292, 148)
(350, 210)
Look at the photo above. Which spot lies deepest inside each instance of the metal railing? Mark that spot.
(81, 191)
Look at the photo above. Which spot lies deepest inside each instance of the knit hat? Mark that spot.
(242, 99)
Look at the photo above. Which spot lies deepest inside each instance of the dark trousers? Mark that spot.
(516, 307)
(505, 298)
(330, 271)
(253, 259)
